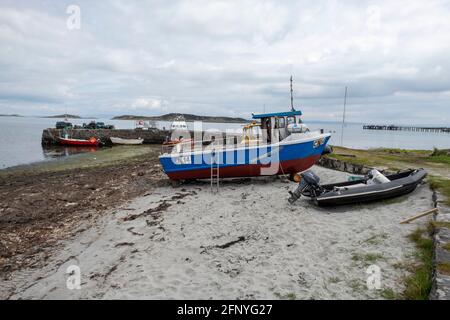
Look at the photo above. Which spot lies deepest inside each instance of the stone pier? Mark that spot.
(151, 136)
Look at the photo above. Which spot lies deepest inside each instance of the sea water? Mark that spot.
(20, 137)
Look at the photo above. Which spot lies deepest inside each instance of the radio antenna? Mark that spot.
(292, 97)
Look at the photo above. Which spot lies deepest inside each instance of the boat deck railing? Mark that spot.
(202, 145)
(226, 143)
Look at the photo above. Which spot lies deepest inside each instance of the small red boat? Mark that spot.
(93, 141)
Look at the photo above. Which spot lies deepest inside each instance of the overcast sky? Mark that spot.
(228, 58)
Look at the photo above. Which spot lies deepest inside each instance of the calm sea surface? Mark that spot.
(20, 138)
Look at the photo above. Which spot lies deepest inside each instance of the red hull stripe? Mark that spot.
(252, 170)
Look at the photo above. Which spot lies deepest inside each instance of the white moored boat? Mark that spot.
(126, 141)
(179, 123)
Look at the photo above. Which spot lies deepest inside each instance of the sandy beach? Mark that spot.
(246, 242)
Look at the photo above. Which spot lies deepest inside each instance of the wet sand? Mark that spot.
(246, 242)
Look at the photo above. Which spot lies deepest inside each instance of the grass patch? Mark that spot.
(358, 161)
(441, 224)
(398, 151)
(389, 294)
(439, 159)
(401, 265)
(289, 296)
(440, 152)
(446, 246)
(396, 159)
(442, 185)
(376, 239)
(444, 268)
(357, 285)
(370, 158)
(418, 284)
(334, 280)
(367, 258)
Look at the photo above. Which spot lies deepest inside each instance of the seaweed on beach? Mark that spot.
(40, 205)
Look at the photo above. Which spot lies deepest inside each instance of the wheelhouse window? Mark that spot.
(299, 120)
(265, 123)
(290, 120)
(281, 122)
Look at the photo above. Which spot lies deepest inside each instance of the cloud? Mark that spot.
(228, 58)
(147, 104)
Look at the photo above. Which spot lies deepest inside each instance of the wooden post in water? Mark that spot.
(343, 118)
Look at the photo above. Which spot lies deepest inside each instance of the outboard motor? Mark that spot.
(308, 186)
(376, 177)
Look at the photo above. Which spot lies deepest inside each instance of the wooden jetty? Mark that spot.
(406, 128)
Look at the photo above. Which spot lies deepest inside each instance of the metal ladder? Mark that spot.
(215, 171)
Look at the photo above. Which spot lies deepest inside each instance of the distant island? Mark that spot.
(187, 117)
(10, 115)
(68, 116)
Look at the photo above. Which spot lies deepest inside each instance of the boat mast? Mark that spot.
(343, 118)
(292, 97)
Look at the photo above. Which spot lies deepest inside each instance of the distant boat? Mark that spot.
(116, 140)
(93, 141)
(144, 125)
(179, 124)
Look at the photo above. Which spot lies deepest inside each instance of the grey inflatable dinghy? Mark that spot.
(373, 187)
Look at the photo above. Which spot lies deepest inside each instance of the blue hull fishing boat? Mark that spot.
(280, 143)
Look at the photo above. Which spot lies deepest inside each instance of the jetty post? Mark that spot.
(343, 117)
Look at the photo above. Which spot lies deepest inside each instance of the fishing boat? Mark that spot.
(373, 187)
(116, 140)
(282, 144)
(93, 141)
(272, 144)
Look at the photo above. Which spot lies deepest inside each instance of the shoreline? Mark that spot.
(100, 157)
(338, 155)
